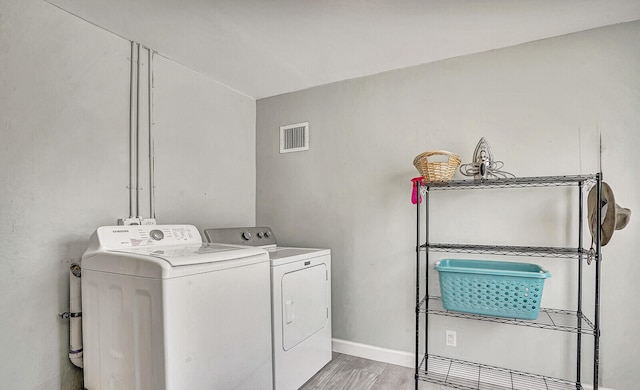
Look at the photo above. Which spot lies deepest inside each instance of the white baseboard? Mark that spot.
(384, 355)
(390, 356)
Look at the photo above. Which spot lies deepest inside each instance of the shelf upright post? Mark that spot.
(426, 278)
(417, 357)
(580, 258)
(596, 337)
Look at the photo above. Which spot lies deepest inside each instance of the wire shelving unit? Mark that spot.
(467, 375)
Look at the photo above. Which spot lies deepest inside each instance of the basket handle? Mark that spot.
(449, 155)
(545, 273)
(445, 152)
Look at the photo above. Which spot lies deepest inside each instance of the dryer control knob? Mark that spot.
(246, 235)
(267, 234)
(260, 234)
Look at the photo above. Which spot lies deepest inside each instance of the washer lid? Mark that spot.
(179, 255)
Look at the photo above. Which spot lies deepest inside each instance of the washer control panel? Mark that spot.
(131, 236)
(252, 236)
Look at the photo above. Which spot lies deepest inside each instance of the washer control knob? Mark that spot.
(260, 234)
(246, 235)
(156, 234)
(267, 233)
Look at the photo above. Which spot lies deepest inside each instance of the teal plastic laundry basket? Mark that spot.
(494, 288)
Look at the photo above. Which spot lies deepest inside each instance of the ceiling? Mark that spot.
(264, 48)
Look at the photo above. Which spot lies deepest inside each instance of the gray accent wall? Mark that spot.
(542, 106)
(205, 149)
(64, 169)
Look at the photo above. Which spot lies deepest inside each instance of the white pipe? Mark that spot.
(75, 319)
(133, 194)
(152, 210)
(137, 214)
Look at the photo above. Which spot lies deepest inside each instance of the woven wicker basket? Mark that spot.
(437, 170)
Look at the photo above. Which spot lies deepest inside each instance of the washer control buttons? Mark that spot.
(156, 234)
(260, 234)
(246, 235)
(267, 234)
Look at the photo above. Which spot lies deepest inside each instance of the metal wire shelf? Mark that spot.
(518, 182)
(460, 374)
(533, 251)
(467, 375)
(554, 319)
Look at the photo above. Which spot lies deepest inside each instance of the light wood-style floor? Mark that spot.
(346, 372)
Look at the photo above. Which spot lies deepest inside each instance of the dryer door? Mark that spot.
(305, 308)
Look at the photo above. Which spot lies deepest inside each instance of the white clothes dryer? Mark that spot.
(300, 303)
(162, 310)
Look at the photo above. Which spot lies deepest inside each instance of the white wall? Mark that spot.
(542, 107)
(64, 117)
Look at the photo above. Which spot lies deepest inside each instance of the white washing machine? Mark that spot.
(300, 304)
(162, 310)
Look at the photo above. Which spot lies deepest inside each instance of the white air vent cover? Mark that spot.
(294, 138)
